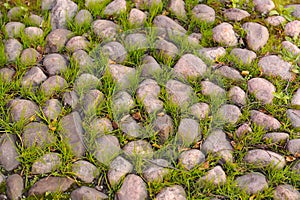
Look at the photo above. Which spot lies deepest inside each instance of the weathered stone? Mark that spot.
(236, 14)
(138, 148)
(130, 127)
(175, 192)
(133, 187)
(150, 67)
(91, 101)
(276, 137)
(83, 17)
(217, 143)
(12, 49)
(15, 13)
(136, 41)
(290, 47)
(55, 64)
(292, 28)
(263, 6)
(296, 98)
(83, 60)
(243, 130)
(156, 170)
(293, 146)
(204, 13)
(229, 113)
(190, 66)
(53, 84)
(50, 184)
(188, 132)
(85, 171)
(71, 99)
(237, 96)
(252, 183)
(14, 29)
(294, 116)
(77, 43)
(275, 20)
(263, 158)
(164, 126)
(266, 121)
(87, 193)
(35, 20)
(105, 29)
(33, 33)
(191, 158)
(296, 9)
(34, 77)
(122, 103)
(210, 89)
(48, 4)
(56, 40)
(8, 152)
(212, 53)
(296, 167)
(137, 17)
(177, 8)
(118, 169)
(229, 73)
(146, 4)
(115, 51)
(179, 93)
(7, 74)
(122, 75)
(86, 82)
(200, 110)
(262, 89)
(286, 192)
(168, 25)
(243, 55)
(115, 7)
(72, 133)
(36, 134)
(62, 11)
(46, 164)
(21, 109)
(257, 35)
(14, 186)
(224, 34)
(166, 49)
(29, 56)
(100, 126)
(215, 176)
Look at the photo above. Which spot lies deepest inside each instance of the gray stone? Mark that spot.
(200, 110)
(34, 34)
(138, 148)
(56, 40)
(150, 67)
(85, 171)
(148, 92)
(237, 96)
(290, 47)
(296, 168)
(296, 98)
(243, 55)
(210, 89)
(262, 89)
(119, 168)
(7, 74)
(188, 132)
(252, 183)
(293, 146)
(48, 4)
(263, 6)
(115, 51)
(91, 101)
(72, 132)
(292, 28)
(204, 13)
(106, 148)
(35, 20)
(122, 103)
(217, 143)
(274, 66)
(115, 7)
(229, 113)
(177, 8)
(229, 72)
(14, 29)
(53, 84)
(136, 41)
(124, 76)
(14, 186)
(36, 134)
(29, 56)
(283, 192)
(34, 77)
(8, 152)
(163, 124)
(296, 9)
(191, 158)
(215, 176)
(50, 184)
(105, 29)
(46, 164)
(2, 178)
(52, 109)
(166, 49)
(263, 158)
(133, 187)
(86, 82)
(71, 99)
(276, 137)
(21, 109)
(12, 49)
(168, 24)
(146, 4)
(235, 14)
(224, 34)
(156, 170)
(87, 193)
(15, 13)
(83, 60)
(190, 66)
(100, 126)
(137, 17)
(62, 11)
(77, 43)
(275, 20)
(131, 128)
(243, 130)
(83, 17)
(212, 53)
(179, 93)
(175, 192)
(266, 121)
(294, 116)
(194, 38)
(256, 35)
(55, 64)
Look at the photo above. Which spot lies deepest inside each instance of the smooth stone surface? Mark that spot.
(122, 75)
(276, 137)
(191, 158)
(35, 20)
(53, 85)
(243, 55)
(87, 193)
(290, 47)
(212, 53)
(77, 43)
(55, 64)
(256, 35)
(122, 103)
(8, 152)
(296, 9)
(7, 74)
(275, 20)
(243, 130)
(286, 192)
(179, 93)
(166, 49)
(262, 89)
(115, 7)
(21, 109)
(215, 176)
(29, 56)
(115, 51)
(91, 101)
(236, 14)
(83, 17)
(164, 126)
(46, 164)
(229, 72)
(13, 29)
(175, 192)
(188, 132)
(104, 29)
(263, 6)
(292, 28)
(237, 96)
(12, 49)
(252, 183)
(86, 82)
(156, 170)
(71, 99)
(83, 60)
(85, 171)
(210, 89)
(56, 40)
(33, 33)
(33, 77)
(36, 134)
(14, 186)
(293, 146)
(138, 148)
(204, 13)
(177, 7)
(137, 17)
(229, 113)
(200, 110)
(266, 121)
(224, 34)
(131, 128)
(294, 116)
(164, 22)
(118, 169)
(100, 126)
(136, 41)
